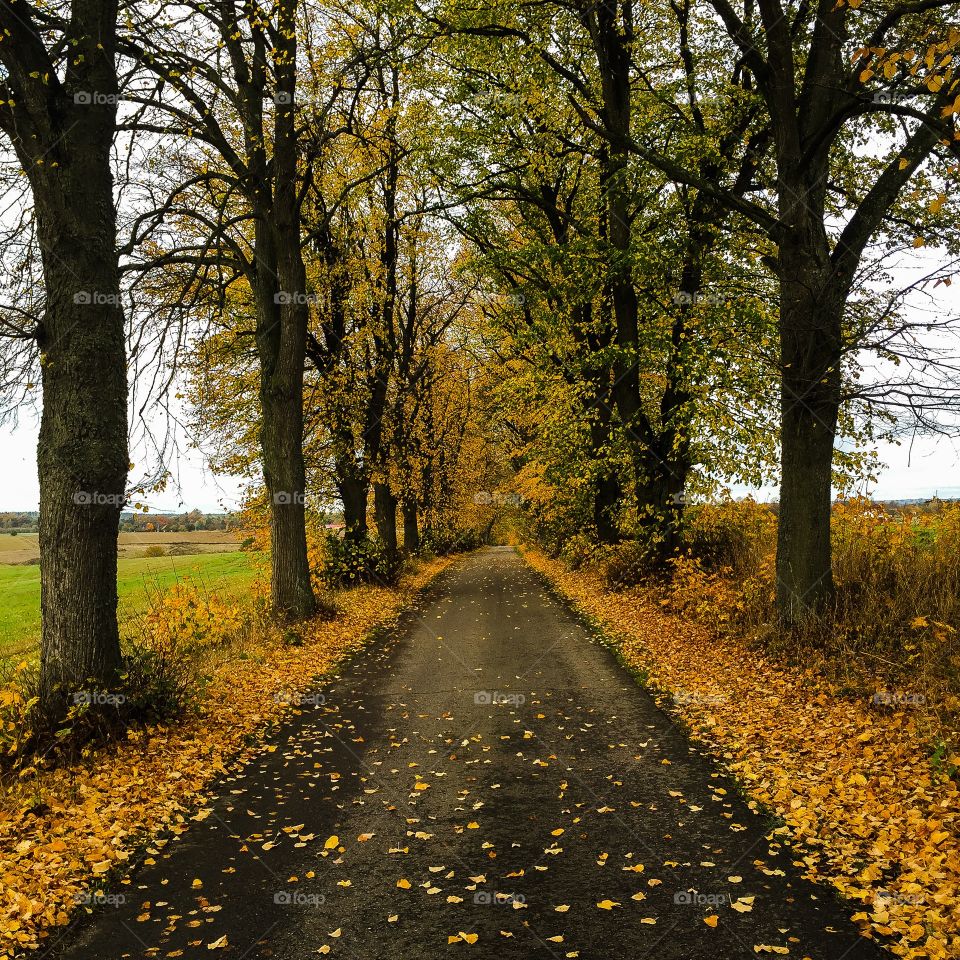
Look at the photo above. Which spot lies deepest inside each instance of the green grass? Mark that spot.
(223, 574)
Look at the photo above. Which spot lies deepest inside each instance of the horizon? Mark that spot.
(918, 469)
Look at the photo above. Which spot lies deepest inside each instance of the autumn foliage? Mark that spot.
(871, 807)
(69, 830)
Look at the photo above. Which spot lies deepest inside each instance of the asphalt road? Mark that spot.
(490, 774)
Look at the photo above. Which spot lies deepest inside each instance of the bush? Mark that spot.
(441, 541)
(185, 620)
(736, 535)
(18, 699)
(154, 685)
(627, 564)
(156, 550)
(347, 562)
(579, 551)
(159, 684)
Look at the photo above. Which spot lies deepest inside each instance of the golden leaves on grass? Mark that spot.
(83, 822)
(856, 788)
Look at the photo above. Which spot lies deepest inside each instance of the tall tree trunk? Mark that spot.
(82, 454)
(282, 344)
(281, 434)
(62, 131)
(385, 510)
(810, 344)
(353, 490)
(606, 501)
(411, 528)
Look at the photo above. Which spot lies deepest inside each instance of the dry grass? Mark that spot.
(893, 633)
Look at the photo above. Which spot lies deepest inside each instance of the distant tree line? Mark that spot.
(25, 522)
(175, 522)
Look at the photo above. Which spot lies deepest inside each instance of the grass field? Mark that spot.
(24, 548)
(226, 574)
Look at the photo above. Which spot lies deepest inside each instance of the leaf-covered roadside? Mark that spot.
(61, 829)
(868, 810)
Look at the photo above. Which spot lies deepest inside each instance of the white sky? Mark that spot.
(200, 490)
(931, 467)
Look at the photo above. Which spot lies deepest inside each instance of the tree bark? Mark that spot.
(61, 120)
(811, 350)
(353, 492)
(281, 434)
(282, 322)
(606, 501)
(385, 509)
(82, 455)
(411, 529)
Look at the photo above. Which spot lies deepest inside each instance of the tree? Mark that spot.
(226, 78)
(58, 108)
(634, 265)
(826, 73)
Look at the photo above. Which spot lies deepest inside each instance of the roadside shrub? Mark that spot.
(154, 685)
(734, 535)
(349, 561)
(579, 551)
(626, 564)
(441, 541)
(187, 620)
(18, 699)
(159, 683)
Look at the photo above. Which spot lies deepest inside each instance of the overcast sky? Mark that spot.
(932, 467)
(19, 489)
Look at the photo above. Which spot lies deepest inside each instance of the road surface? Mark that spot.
(491, 775)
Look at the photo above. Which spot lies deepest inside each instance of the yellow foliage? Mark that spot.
(61, 829)
(868, 812)
(186, 620)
